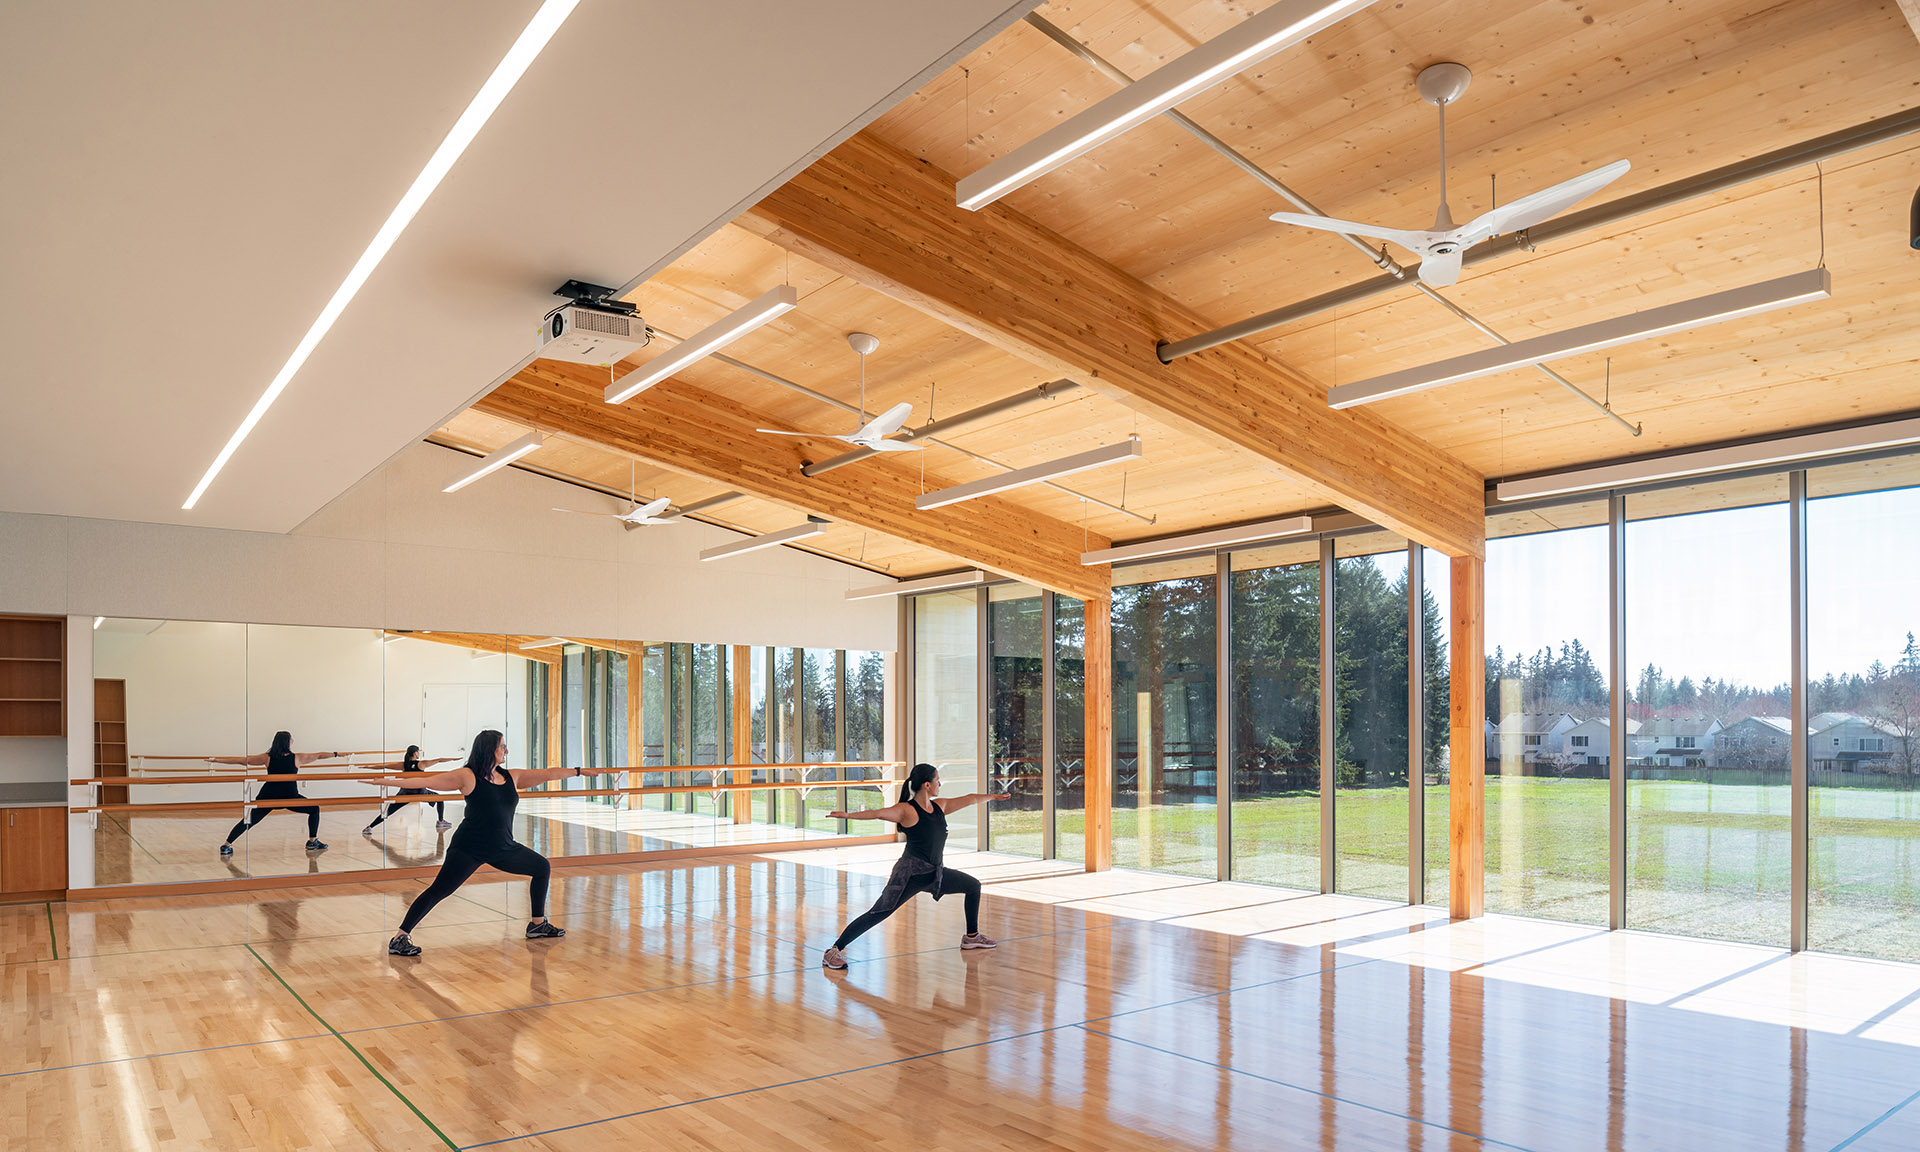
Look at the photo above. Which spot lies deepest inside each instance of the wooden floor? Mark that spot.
(687, 1009)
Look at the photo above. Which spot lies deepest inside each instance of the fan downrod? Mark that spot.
(1442, 84)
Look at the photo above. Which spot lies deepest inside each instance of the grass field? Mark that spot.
(1703, 859)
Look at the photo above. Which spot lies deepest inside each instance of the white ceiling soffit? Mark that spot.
(189, 182)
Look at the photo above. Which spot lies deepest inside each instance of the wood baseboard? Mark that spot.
(312, 880)
(55, 894)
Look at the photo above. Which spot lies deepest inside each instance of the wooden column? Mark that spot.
(1098, 771)
(636, 701)
(742, 729)
(1468, 753)
(556, 722)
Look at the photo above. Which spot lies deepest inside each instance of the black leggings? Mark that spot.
(902, 888)
(460, 864)
(395, 806)
(312, 812)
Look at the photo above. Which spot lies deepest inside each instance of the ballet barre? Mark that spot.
(539, 792)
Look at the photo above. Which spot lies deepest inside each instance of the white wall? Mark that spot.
(396, 552)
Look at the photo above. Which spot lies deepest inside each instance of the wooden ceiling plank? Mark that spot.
(876, 214)
(710, 436)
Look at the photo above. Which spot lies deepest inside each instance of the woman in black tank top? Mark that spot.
(922, 817)
(279, 760)
(485, 836)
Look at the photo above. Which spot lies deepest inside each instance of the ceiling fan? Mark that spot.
(1442, 248)
(656, 511)
(869, 434)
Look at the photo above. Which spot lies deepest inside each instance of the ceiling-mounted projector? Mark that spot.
(594, 329)
(586, 335)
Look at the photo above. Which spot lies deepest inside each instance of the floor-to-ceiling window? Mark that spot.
(1548, 649)
(1275, 751)
(1863, 736)
(1069, 728)
(1164, 700)
(1707, 586)
(946, 697)
(1371, 821)
(1016, 714)
(864, 705)
(819, 731)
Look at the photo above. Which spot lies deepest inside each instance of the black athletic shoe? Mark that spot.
(547, 931)
(316, 846)
(226, 849)
(402, 946)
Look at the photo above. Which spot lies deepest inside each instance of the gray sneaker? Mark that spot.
(834, 959)
(977, 940)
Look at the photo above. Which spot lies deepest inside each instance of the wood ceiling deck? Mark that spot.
(1677, 88)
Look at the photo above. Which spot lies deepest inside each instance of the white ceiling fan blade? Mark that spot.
(1411, 241)
(647, 513)
(1542, 205)
(885, 424)
(894, 446)
(579, 512)
(1440, 271)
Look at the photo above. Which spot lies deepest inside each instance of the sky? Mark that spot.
(1708, 595)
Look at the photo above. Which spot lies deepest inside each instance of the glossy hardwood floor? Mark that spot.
(686, 1008)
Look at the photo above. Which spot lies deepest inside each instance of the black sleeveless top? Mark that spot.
(280, 764)
(488, 824)
(927, 838)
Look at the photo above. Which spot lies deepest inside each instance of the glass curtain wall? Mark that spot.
(1863, 706)
(1015, 725)
(1548, 650)
(1370, 807)
(1707, 599)
(1164, 700)
(1275, 613)
(946, 698)
(865, 707)
(820, 733)
(1069, 728)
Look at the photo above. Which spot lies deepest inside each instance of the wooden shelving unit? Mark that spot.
(110, 737)
(33, 676)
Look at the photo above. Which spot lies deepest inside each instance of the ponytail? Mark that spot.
(917, 779)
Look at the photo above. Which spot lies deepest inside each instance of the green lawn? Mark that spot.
(1704, 859)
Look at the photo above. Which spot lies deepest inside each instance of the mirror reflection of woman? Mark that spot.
(922, 817)
(485, 836)
(412, 767)
(279, 760)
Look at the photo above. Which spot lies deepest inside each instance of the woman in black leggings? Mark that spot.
(411, 766)
(922, 817)
(280, 760)
(485, 836)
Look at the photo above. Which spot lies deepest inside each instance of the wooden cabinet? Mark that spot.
(33, 676)
(33, 850)
(110, 737)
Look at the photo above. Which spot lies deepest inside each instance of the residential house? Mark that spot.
(1525, 740)
(1589, 740)
(1756, 742)
(1677, 742)
(1856, 744)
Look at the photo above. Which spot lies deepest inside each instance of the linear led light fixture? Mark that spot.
(1033, 474)
(1201, 541)
(497, 459)
(1812, 445)
(547, 643)
(1272, 30)
(506, 74)
(813, 527)
(1699, 312)
(923, 584)
(737, 323)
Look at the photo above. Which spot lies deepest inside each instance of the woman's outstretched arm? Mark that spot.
(251, 761)
(528, 777)
(457, 778)
(969, 800)
(901, 814)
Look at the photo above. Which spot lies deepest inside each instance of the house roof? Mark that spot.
(1532, 723)
(1600, 722)
(1681, 726)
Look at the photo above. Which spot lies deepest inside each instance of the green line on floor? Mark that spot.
(53, 939)
(357, 1053)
